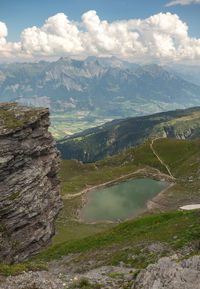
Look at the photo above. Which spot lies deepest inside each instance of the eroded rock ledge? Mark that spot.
(29, 186)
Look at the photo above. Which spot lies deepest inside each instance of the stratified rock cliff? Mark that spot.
(29, 186)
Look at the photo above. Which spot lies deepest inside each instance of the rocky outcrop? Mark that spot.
(29, 186)
(167, 273)
(170, 274)
(184, 133)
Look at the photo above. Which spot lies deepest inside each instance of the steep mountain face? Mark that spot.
(190, 73)
(56, 84)
(104, 89)
(113, 62)
(116, 136)
(29, 186)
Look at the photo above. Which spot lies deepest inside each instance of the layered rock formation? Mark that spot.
(170, 274)
(29, 186)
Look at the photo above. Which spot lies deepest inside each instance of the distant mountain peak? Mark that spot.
(100, 86)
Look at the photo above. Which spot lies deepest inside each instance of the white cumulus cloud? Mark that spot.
(8, 49)
(161, 37)
(3, 34)
(58, 35)
(182, 2)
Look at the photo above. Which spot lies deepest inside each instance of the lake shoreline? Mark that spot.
(144, 209)
(153, 203)
(148, 172)
(143, 172)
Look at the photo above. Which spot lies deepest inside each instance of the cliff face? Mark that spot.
(29, 186)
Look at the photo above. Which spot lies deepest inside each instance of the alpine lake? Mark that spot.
(121, 201)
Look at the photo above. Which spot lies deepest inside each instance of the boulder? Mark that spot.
(168, 273)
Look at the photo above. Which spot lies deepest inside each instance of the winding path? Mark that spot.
(161, 161)
(71, 196)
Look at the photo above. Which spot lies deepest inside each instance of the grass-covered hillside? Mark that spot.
(181, 156)
(114, 137)
(161, 230)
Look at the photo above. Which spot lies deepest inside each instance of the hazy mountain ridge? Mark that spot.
(116, 90)
(116, 136)
(188, 72)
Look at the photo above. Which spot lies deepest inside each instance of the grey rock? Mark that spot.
(32, 280)
(156, 248)
(169, 274)
(29, 186)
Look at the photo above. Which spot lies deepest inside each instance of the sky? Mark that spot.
(140, 31)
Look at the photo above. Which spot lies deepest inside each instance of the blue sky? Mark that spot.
(18, 15)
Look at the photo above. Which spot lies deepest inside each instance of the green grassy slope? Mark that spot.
(114, 137)
(110, 244)
(161, 227)
(77, 176)
(182, 157)
(174, 230)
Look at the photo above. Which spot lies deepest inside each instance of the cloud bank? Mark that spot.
(6, 49)
(182, 2)
(161, 37)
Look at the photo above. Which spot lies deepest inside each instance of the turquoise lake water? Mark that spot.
(120, 201)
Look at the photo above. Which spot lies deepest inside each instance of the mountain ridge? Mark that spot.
(77, 85)
(87, 93)
(116, 136)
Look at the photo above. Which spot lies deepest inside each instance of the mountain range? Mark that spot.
(116, 136)
(101, 86)
(96, 90)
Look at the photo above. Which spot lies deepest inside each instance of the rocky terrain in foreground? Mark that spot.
(167, 273)
(170, 274)
(29, 186)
